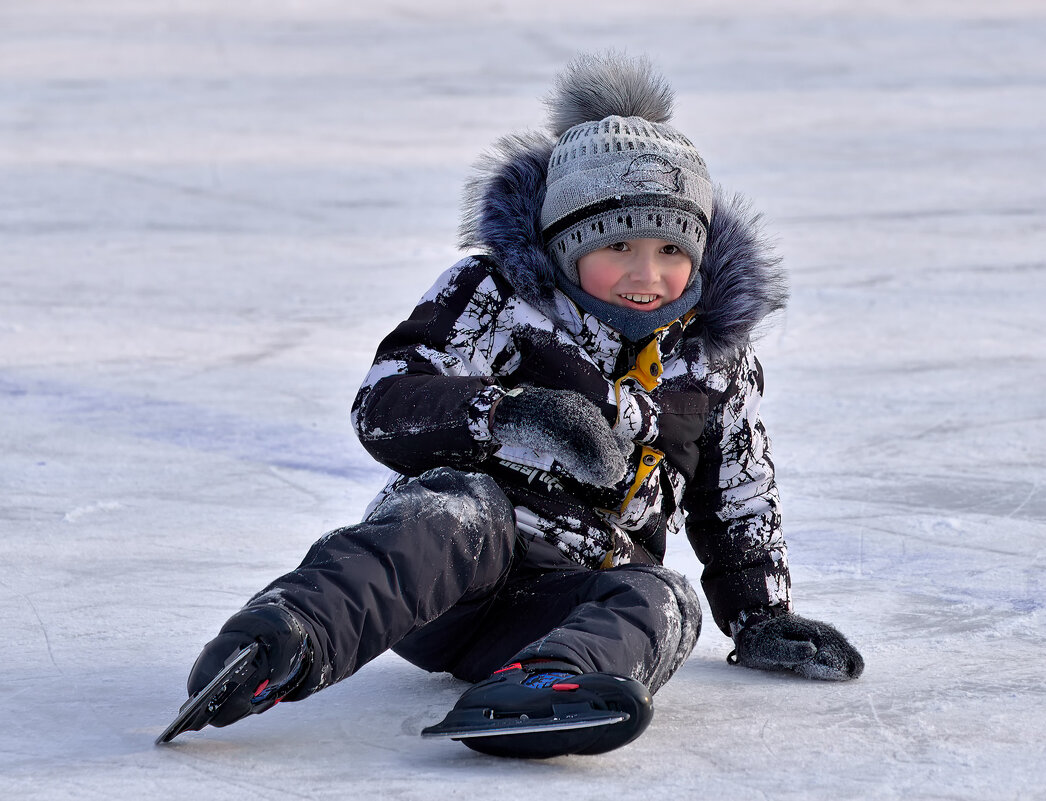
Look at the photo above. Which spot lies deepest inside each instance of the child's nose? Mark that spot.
(644, 267)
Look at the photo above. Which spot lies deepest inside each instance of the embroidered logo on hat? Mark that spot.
(652, 173)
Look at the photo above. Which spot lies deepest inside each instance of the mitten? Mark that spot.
(280, 664)
(565, 425)
(812, 649)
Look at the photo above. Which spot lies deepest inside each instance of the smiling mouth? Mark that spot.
(640, 298)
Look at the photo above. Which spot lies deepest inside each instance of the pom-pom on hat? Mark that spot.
(619, 171)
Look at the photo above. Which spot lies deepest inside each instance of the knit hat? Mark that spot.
(619, 171)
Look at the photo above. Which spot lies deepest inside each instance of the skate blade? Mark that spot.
(194, 713)
(505, 726)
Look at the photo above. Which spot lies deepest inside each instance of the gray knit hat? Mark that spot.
(619, 171)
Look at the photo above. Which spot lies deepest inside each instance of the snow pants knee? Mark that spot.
(439, 573)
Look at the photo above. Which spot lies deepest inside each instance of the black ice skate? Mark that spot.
(198, 711)
(545, 710)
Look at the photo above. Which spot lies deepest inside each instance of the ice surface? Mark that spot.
(212, 212)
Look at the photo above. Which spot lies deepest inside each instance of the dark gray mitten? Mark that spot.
(565, 425)
(812, 649)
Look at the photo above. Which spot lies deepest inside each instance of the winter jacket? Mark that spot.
(684, 403)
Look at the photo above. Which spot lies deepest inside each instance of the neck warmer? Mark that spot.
(633, 324)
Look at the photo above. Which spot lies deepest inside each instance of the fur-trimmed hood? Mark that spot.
(742, 280)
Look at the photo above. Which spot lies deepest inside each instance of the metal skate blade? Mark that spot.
(194, 711)
(503, 726)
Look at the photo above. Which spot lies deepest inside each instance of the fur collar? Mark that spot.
(742, 281)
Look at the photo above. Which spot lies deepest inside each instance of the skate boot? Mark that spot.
(546, 709)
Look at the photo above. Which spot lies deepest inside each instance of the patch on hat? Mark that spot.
(652, 173)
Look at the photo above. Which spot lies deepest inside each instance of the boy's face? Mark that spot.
(642, 274)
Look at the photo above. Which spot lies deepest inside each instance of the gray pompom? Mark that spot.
(598, 85)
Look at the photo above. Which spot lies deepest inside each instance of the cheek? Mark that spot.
(597, 277)
(675, 282)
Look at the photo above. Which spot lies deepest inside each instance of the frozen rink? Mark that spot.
(210, 214)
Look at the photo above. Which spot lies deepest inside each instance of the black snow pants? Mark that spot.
(439, 573)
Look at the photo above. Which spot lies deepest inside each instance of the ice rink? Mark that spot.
(211, 213)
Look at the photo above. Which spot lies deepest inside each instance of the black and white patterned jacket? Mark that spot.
(687, 400)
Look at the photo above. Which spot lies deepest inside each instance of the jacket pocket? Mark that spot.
(680, 423)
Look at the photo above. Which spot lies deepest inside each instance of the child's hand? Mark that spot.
(812, 649)
(280, 664)
(565, 425)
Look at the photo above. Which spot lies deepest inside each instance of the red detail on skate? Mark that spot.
(564, 686)
(261, 688)
(513, 666)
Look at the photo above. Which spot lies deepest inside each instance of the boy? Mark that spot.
(554, 410)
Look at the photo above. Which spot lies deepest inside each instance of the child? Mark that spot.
(556, 409)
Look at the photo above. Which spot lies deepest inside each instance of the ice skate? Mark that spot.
(545, 710)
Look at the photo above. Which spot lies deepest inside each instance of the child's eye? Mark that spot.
(671, 250)
(618, 246)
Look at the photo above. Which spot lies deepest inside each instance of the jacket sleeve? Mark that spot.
(426, 401)
(733, 509)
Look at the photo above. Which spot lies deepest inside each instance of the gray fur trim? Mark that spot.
(598, 85)
(742, 279)
(741, 276)
(502, 213)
